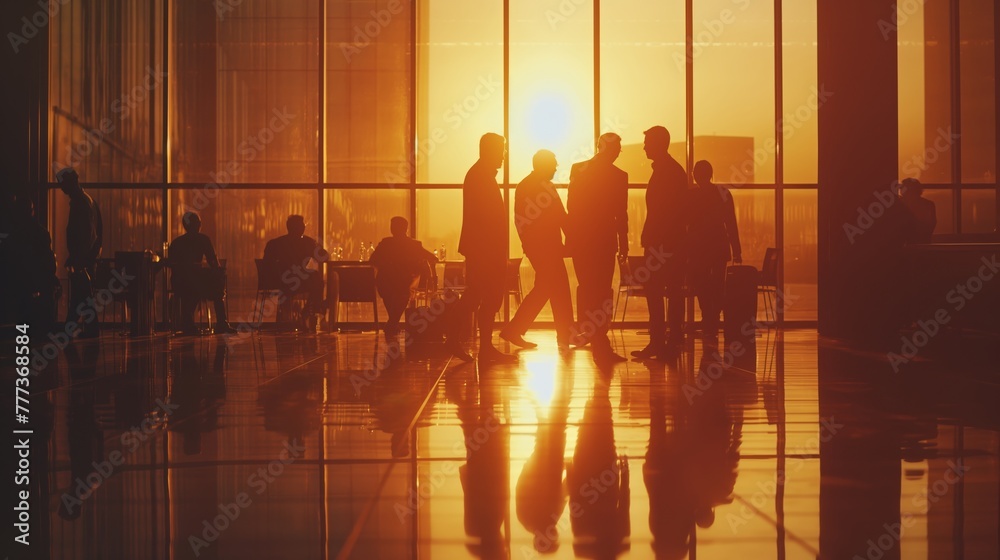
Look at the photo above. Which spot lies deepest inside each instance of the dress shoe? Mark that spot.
(457, 351)
(517, 340)
(492, 355)
(607, 359)
(225, 328)
(650, 351)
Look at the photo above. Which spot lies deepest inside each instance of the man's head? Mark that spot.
(398, 226)
(492, 148)
(609, 145)
(657, 142)
(544, 164)
(68, 180)
(191, 222)
(703, 173)
(911, 187)
(296, 225)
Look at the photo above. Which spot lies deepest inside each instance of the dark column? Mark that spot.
(858, 153)
(24, 104)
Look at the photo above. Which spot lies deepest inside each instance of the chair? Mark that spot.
(426, 287)
(627, 284)
(768, 283)
(513, 280)
(269, 284)
(355, 282)
(201, 305)
(103, 274)
(454, 276)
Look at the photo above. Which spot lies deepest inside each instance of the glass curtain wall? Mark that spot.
(353, 111)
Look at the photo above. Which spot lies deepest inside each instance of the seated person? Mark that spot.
(191, 281)
(288, 257)
(921, 212)
(399, 262)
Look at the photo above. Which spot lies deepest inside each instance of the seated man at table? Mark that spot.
(191, 281)
(288, 257)
(399, 262)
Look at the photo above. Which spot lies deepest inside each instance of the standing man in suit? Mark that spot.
(484, 244)
(540, 218)
(662, 236)
(714, 240)
(84, 240)
(597, 209)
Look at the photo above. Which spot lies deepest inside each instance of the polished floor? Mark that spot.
(284, 446)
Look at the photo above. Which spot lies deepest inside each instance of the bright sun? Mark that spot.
(548, 121)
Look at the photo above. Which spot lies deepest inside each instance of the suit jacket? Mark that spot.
(713, 233)
(84, 231)
(539, 217)
(288, 251)
(667, 210)
(399, 260)
(484, 217)
(597, 207)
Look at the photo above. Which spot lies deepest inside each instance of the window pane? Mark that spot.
(643, 77)
(361, 216)
(924, 91)
(246, 101)
(979, 211)
(945, 207)
(460, 88)
(368, 91)
(551, 84)
(107, 107)
(801, 265)
(439, 219)
(240, 222)
(979, 125)
(734, 89)
(803, 96)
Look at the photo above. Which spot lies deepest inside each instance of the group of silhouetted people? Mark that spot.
(689, 236)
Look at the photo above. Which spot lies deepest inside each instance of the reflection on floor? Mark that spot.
(304, 447)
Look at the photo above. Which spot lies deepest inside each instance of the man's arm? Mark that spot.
(732, 231)
(209, 251)
(621, 213)
(269, 251)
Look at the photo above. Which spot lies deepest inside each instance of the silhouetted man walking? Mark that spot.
(399, 260)
(597, 209)
(540, 218)
(484, 244)
(714, 239)
(191, 281)
(662, 236)
(84, 240)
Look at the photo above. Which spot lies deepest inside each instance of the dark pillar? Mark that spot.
(858, 153)
(24, 120)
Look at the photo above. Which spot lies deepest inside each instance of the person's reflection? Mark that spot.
(598, 482)
(395, 400)
(292, 405)
(85, 438)
(485, 476)
(691, 468)
(198, 391)
(540, 494)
